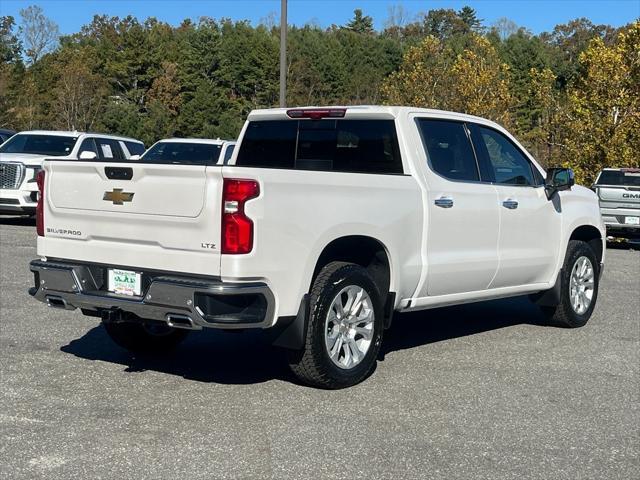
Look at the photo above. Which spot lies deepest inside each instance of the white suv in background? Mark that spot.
(22, 155)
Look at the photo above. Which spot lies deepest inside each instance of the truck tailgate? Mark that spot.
(149, 216)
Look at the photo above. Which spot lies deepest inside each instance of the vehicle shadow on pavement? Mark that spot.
(19, 221)
(247, 358)
(414, 329)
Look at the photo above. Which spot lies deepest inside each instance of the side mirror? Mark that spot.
(134, 157)
(88, 155)
(558, 179)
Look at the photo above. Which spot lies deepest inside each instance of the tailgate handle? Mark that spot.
(119, 173)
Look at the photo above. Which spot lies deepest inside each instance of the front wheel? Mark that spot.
(344, 331)
(578, 287)
(150, 337)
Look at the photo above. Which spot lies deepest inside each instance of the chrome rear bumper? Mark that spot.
(180, 301)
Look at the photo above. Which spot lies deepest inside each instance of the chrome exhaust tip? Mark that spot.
(177, 320)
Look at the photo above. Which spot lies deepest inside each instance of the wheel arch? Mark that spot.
(368, 252)
(590, 235)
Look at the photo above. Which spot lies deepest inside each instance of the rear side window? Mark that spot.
(449, 150)
(359, 146)
(109, 149)
(135, 148)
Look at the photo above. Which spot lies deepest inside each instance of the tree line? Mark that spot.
(571, 95)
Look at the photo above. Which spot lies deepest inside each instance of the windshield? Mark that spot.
(53, 145)
(629, 178)
(184, 153)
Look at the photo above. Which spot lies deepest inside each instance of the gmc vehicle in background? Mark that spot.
(324, 223)
(21, 158)
(618, 190)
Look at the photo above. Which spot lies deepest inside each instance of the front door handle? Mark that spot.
(510, 204)
(444, 202)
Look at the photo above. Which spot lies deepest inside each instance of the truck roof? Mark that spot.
(371, 111)
(63, 133)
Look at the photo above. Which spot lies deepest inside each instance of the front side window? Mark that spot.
(36, 144)
(510, 166)
(358, 146)
(448, 149)
(183, 153)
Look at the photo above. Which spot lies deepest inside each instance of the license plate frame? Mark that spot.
(124, 282)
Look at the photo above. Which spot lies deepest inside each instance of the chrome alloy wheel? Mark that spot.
(349, 327)
(581, 285)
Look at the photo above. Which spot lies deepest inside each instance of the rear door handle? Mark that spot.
(444, 202)
(510, 204)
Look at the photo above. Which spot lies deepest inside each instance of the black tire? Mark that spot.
(312, 365)
(150, 337)
(563, 314)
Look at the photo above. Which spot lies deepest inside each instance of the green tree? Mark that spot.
(361, 23)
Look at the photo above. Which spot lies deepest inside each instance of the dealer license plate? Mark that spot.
(124, 282)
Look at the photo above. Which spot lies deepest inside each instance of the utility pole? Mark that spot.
(283, 53)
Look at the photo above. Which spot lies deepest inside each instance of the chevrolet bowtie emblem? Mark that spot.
(117, 196)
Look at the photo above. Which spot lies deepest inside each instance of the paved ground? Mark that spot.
(481, 391)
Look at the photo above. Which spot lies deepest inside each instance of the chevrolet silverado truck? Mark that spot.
(22, 155)
(618, 190)
(324, 223)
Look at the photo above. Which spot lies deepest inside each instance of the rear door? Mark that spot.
(153, 216)
(463, 216)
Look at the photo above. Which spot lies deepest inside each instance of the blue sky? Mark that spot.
(536, 15)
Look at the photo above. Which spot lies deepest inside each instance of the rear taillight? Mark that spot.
(237, 228)
(40, 205)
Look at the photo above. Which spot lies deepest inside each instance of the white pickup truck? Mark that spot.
(325, 222)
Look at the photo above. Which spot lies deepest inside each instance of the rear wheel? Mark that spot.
(344, 331)
(145, 337)
(578, 287)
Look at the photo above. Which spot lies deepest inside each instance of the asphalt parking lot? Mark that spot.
(477, 391)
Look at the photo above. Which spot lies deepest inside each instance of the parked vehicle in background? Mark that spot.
(6, 135)
(618, 191)
(22, 155)
(324, 222)
(197, 151)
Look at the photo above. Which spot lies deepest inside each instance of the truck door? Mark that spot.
(530, 224)
(463, 217)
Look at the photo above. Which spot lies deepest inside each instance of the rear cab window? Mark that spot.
(623, 178)
(329, 145)
(183, 153)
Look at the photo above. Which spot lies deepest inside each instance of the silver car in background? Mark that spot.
(618, 190)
